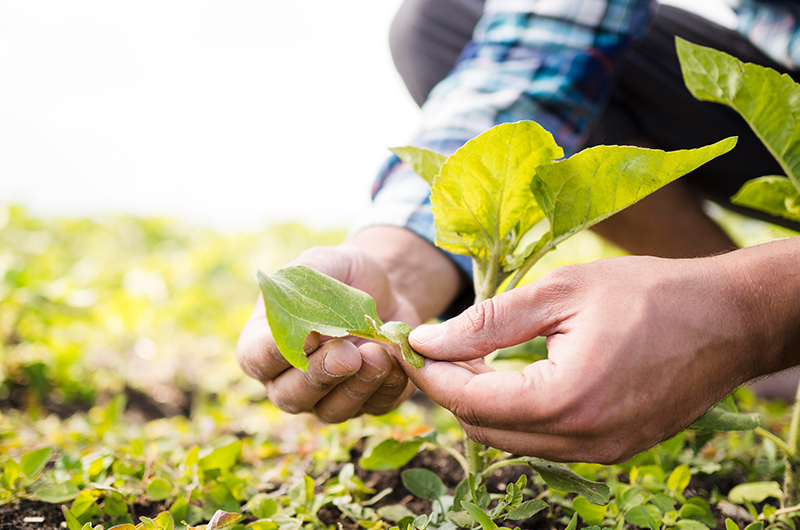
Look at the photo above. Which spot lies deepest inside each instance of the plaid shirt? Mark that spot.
(552, 61)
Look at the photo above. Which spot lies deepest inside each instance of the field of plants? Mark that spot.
(123, 406)
(121, 399)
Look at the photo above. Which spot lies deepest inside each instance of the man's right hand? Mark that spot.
(346, 378)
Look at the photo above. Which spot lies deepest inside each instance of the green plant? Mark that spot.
(770, 104)
(505, 200)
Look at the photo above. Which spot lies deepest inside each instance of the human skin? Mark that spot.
(638, 348)
(411, 281)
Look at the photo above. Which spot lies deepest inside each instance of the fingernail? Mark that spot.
(334, 366)
(368, 371)
(428, 333)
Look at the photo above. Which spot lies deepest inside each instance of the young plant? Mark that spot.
(770, 104)
(489, 198)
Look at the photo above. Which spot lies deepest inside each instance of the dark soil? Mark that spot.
(12, 516)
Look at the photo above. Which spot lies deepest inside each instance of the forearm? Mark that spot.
(417, 270)
(765, 284)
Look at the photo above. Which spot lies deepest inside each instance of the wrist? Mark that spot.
(417, 271)
(765, 294)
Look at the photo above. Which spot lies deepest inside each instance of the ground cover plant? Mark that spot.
(121, 404)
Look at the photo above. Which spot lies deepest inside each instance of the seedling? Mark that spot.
(504, 199)
(770, 104)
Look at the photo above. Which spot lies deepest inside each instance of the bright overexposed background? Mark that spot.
(227, 114)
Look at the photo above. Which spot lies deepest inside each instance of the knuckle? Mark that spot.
(476, 434)
(330, 416)
(466, 413)
(480, 318)
(284, 402)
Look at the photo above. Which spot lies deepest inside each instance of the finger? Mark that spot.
(499, 399)
(554, 447)
(391, 393)
(256, 351)
(507, 319)
(295, 391)
(347, 398)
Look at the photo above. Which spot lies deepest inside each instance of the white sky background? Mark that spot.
(227, 114)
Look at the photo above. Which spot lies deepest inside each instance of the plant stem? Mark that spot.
(504, 463)
(791, 478)
(485, 283)
(475, 461)
(455, 454)
(783, 511)
(777, 440)
(527, 265)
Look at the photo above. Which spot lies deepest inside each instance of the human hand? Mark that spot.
(345, 378)
(639, 347)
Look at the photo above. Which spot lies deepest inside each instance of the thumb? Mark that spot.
(507, 319)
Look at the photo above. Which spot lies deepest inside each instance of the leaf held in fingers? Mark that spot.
(768, 101)
(398, 332)
(774, 195)
(719, 419)
(482, 202)
(300, 300)
(598, 182)
(424, 162)
(560, 477)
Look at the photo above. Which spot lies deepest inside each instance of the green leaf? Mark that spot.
(774, 195)
(390, 454)
(83, 502)
(598, 182)
(480, 516)
(125, 526)
(72, 521)
(165, 521)
(424, 162)
(395, 512)
(573, 523)
(731, 525)
(148, 523)
(665, 503)
(482, 202)
(261, 506)
(300, 300)
(679, 478)
(423, 483)
(590, 513)
(758, 525)
(698, 509)
(690, 524)
(562, 478)
(398, 332)
(11, 473)
(526, 510)
(158, 489)
(33, 462)
(755, 492)
(719, 418)
(57, 494)
(644, 516)
(768, 101)
(223, 458)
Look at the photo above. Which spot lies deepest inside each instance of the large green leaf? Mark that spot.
(423, 483)
(600, 181)
(482, 202)
(767, 100)
(33, 462)
(424, 162)
(300, 300)
(774, 195)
